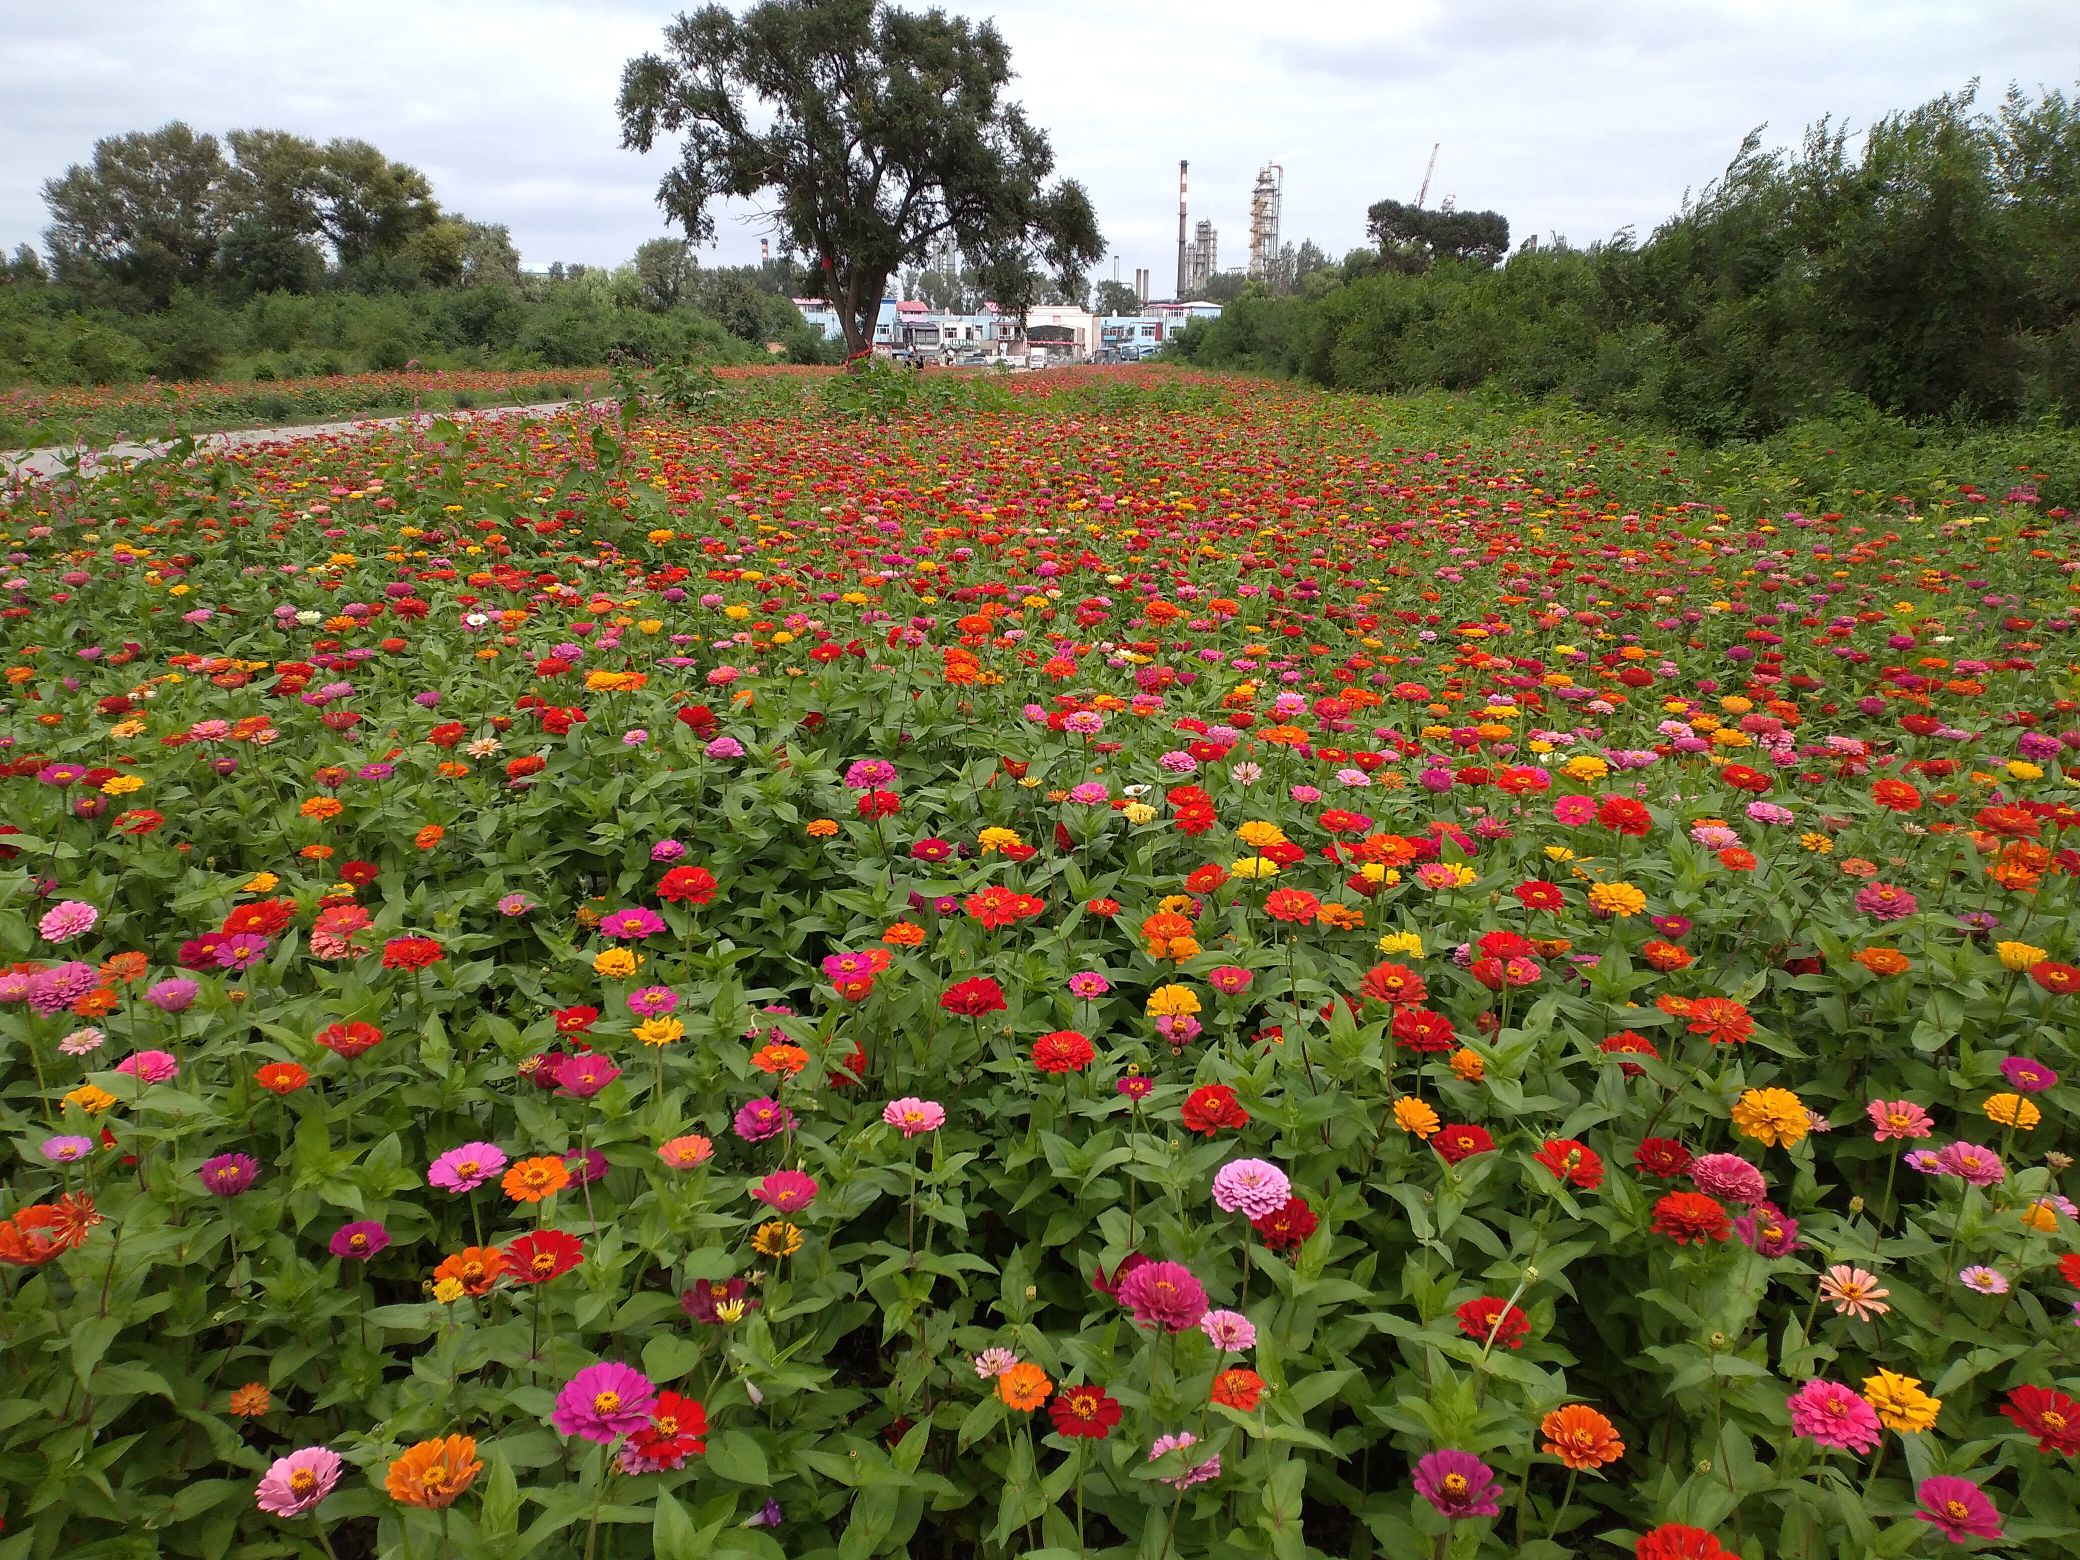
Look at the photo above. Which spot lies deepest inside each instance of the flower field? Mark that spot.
(40, 415)
(1117, 964)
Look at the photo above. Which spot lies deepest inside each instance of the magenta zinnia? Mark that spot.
(786, 1191)
(1163, 1294)
(1457, 1483)
(603, 1402)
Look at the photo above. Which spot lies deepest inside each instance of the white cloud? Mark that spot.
(1576, 116)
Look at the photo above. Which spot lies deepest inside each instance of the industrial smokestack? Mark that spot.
(765, 250)
(1182, 165)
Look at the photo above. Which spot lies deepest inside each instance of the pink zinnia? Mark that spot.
(1251, 1187)
(151, 1066)
(1209, 1469)
(603, 1402)
(911, 1115)
(1729, 1177)
(1230, 1331)
(787, 1191)
(68, 919)
(1959, 1507)
(1230, 978)
(761, 1119)
(294, 1484)
(631, 925)
(1892, 1119)
(1980, 1166)
(1457, 1483)
(585, 1075)
(1832, 1415)
(1089, 985)
(466, 1168)
(1883, 902)
(1163, 1294)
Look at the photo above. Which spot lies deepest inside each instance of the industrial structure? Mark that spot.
(1183, 260)
(1263, 220)
(1205, 258)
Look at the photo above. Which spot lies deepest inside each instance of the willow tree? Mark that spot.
(869, 132)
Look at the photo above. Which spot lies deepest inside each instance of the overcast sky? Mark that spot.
(1571, 116)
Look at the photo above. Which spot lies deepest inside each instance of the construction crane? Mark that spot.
(1423, 193)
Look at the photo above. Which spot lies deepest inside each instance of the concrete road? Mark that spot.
(25, 466)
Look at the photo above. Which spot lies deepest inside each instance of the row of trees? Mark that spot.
(156, 212)
(1931, 271)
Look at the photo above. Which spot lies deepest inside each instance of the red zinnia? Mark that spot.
(1237, 1388)
(2049, 1415)
(1630, 1045)
(974, 997)
(1663, 1158)
(1456, 1143)
(1085, 1412)
(575, 1020)
(1419, 1029)
(411, 953)
(1291, 904)
(1573, 1162)
(1210, 1108)
(1535, 895)
(1674, 1541)
(1284, 1228)
(1062, 1051)
(1690, 1216)
(1479, 1318)
(2055, 977)
(687, 886)
(541, 1255)
(1394, 983)
(1623, 815)
(350, 1039)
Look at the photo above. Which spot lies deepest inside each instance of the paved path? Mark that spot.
(51, 460)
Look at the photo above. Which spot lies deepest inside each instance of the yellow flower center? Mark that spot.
(606, 1402)
(1958, 1510)
(303, 1481)
(1455, 1484)
(2053, 1420)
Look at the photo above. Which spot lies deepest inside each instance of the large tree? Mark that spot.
(1418, 235)
(873, 132)
(147, 213)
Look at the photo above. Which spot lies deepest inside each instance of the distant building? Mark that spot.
(1203, 260)
(1065, 331)
(1178, 313)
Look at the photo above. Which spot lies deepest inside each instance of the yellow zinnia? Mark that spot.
(2019, 956)
(1771, 1117)
(1253, 867)
(614, 963)
(1617, 899)
(1412, 1115)
(1172, 1002)
(1256, 834)
(1900, 1403)
(2012, 1110)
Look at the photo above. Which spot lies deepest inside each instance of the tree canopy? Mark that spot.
(872, 132)
(1418, 234)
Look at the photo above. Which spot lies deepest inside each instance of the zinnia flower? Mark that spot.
(1084, 1413)
(1958, 1507)
(2048, 1415)
(359, 1241)
(1834, 1416)
(1457, 1483)
(1900, 1403)
(466, 1168)
(434, 1473)
(228, 1174)
(911, 1115)
(604, 1402)
(1163, 1294)
(1251, 1187)
(1853, 1292)
(786, 1191)
(295, 1484)
(1580, 1437)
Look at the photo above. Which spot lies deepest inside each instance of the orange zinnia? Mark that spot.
(124, 967)
(1580, 1437)
(904, 934)
(433, 1473)
(531, 1180)
(475, 1268)
(1024, 1387)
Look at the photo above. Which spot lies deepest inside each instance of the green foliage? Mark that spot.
(1934, 274)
